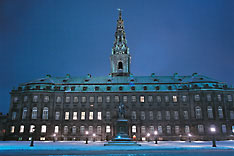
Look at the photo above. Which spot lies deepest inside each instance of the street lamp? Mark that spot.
(213, 130)
(189, 137)
(86, 140)
(54, 135)
(148, 135)
(94, 135)
(156, 137)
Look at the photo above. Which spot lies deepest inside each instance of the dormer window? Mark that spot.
(96, 88)
(145, 87)
(120, 88)
(108, 88)
(120, 66)
(132, 88)
(84, 88)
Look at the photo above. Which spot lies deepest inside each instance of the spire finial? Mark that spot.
(120, 13)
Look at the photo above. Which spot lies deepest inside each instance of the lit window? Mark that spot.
(74, 115)
(210, 112)
(174, 98)
(75, 99)
(66, 116)
(83, 99)
(177, 129)
(116, 98)
(57, 115)
(58, 99)
(142, 115)
(133, 129)
(45, 113)
(24, 114)
(82, 116)
(56, 129)
(99, 99)
(133, 115)
(34, 113)
(32, 128)
(125, 99)
(200, 128)
(90, 129)
(166, 99)
(42, 139)
(43, 129)
(151, 115)
(229, 98)
(158, 98)
(108, 99)
(224, 129)
(108, 129)
(198, 112)
(82, 129)
(142, 99)
(208, 97)
(73, 129)
(12, 129)
(184, 98)
(21, 129)
(160, 130)
(91, 99)
(13, 116)
(159, 115)
(176, 115)
(168, 115)
(99, 116)
(25, 98)
(197, 97)
(65, 129)
(134, 98)
(220, 111)
(186, 117)
(186, 129)
(219, 97)
(35, 98)
(99, 129)
(150, 98)
(90, 115)
(168, 129)
(68, 99)
(143, 130)
(108, 115)
(46, 99)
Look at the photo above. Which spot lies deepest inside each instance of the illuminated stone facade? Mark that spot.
(175, 106)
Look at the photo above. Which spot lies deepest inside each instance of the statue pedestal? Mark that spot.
(122, 138)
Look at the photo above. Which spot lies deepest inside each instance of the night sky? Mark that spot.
(70, 36)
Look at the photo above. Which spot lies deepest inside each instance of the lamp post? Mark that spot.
(212, 129)
(189, 137)
(54, 135)
(86, 139)
(148, 135)
(156, 137)
(94, 135)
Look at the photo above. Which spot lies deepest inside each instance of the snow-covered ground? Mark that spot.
(99, 146)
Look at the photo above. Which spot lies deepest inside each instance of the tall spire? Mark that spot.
(120, 43)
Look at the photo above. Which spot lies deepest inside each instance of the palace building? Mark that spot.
(73, 108)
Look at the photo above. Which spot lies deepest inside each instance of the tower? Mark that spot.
(120, 58)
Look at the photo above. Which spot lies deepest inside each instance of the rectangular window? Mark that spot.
(65, 129)
(108, 129)
(91, 99)
(99, 129)
(83, 99)
(186, 129)
(46, 99)
(66, 116)
(229, 98)
(73, 129)
(177, 129)
(99, 117)
(75, 116)
(158, 98)
(25, 98)
(24, 114)
(151, 115)
(108, 99)
(82, 129)
(133, 98)
(168, 115)
(160, 130)
(208, 97)
(166, 99)
(90, 115)
(142, 115)
(186, 115)
(151, 129)
(108, 115)
(13, 116)
(168, 129)
(219, 97)
(15, 100)
(159, 115)
(133, 129)
(43, 129)
(21, 129)
(176, 115)
(142, 99)
(200, 128)
(150, 98)
(32, 128)
(12, 129)
(231, 115)
(35, 98)
(90, 129)
(143, 130)
(197, 97)
(75, 99)
(184, 98)
(57, 115)
(82, 117)
(133, 115)
(125, 99)
(56, 129)
(174, 98)
(116, 98)
(99, 99)
(224, 129)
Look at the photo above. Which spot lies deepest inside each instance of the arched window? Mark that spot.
(120, 65)
(198, 112)
(210, 112)
(220, 111)
(24, 114)
(34, 113)
(45, 113)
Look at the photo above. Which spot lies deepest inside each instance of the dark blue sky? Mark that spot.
(164, 36)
